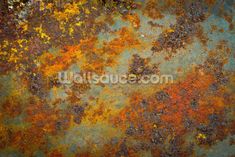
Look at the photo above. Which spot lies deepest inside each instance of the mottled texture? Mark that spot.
(191, 40)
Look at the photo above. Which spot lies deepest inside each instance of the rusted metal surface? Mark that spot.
(191, 40)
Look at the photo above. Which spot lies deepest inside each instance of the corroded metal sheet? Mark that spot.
(191, 41)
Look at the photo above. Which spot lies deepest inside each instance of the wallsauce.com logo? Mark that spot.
(93, 78)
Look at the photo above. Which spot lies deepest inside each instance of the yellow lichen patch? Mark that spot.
(71, 31)
(5, 43)
(41, 33)
(21, 41)
(79, 23)
(3, 53)
(24, 26)
(15, 56)
(69, 11)
(82, 2)
(13, 50)
(201, 136)
(42, 5)
(49, 6)
(170, 30)
(87, 11)
(62, 26)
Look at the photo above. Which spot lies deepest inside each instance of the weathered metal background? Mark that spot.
(191, 40)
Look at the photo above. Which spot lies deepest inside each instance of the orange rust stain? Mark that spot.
(56, 153)
(28, 140)
(12, 107)
(177, 107)
(40, 115)
(134, 19)
(110, 150)
(229, 19)
(126, 40)
(86, 154)
(136, 98)
(111, 50)
(202, 36)
(105, 56)
(68, 55)
(180, 104)
(210, 2)
(153, 10)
